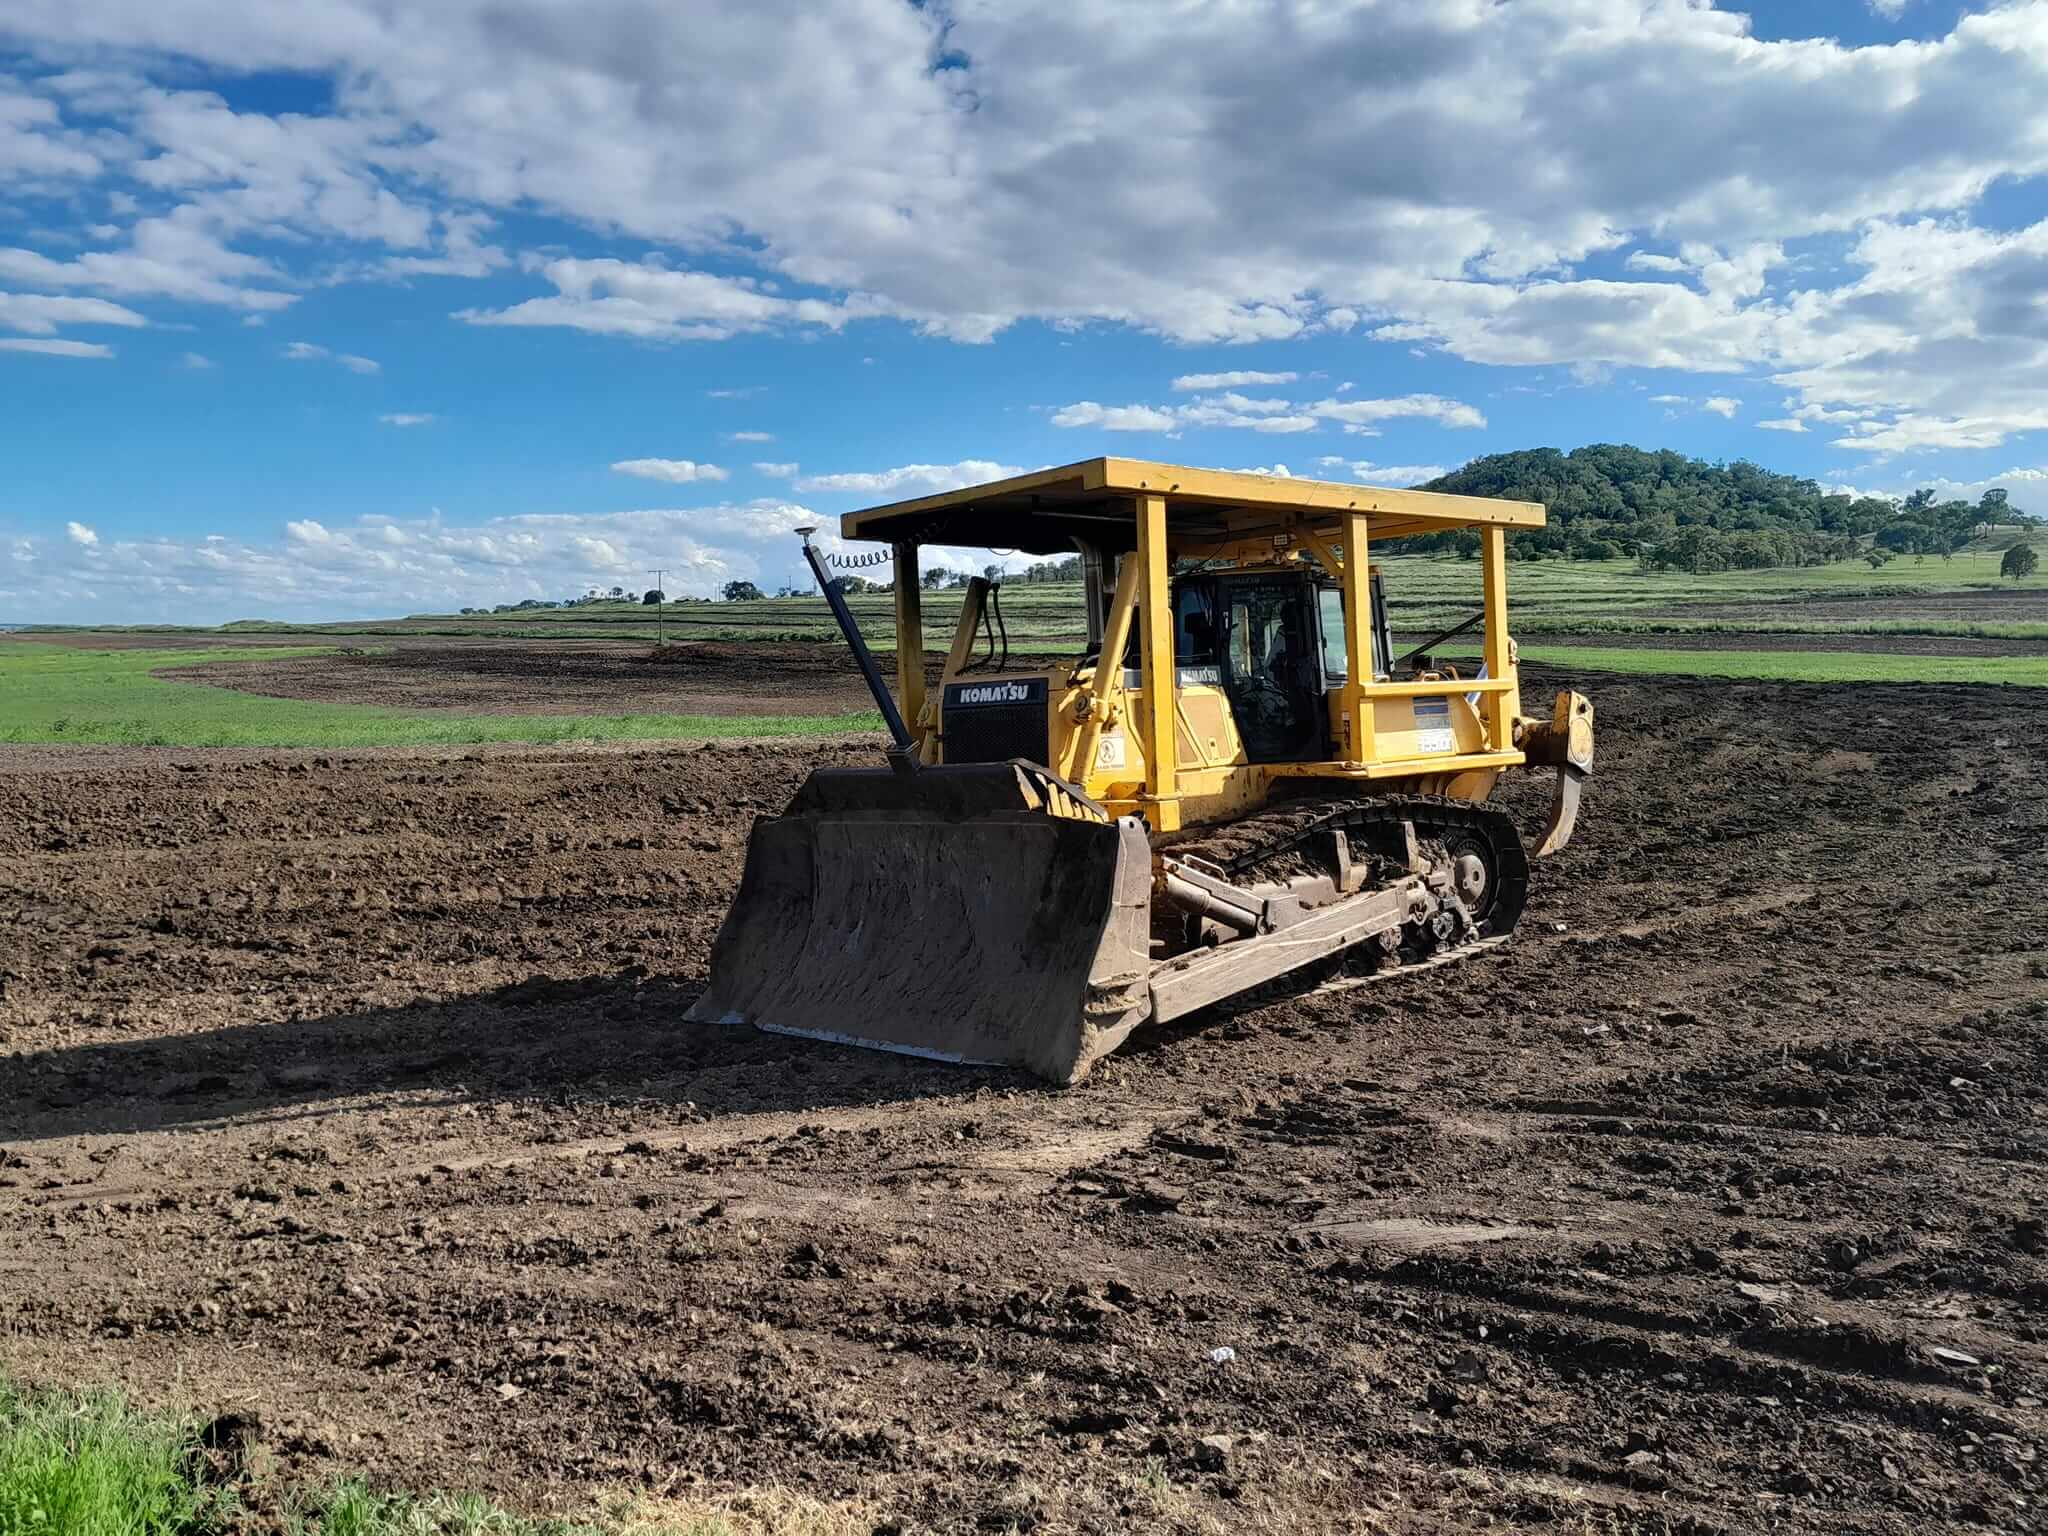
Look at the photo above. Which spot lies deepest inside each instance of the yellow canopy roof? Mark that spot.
(1044, 511)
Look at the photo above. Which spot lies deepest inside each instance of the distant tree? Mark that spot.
(992, 572)
(853, 586)
(2019, 561)
(618, 592)
(933, 578)
(654, 595)
(1878, 557)
(742, 592)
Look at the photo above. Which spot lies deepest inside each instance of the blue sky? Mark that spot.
(341, 309)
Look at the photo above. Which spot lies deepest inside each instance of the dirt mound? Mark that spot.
(351, 1092)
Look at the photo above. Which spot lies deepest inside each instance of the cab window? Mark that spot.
(1334, 662)
(1330, 603)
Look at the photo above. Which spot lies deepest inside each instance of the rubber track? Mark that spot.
(1240, 847)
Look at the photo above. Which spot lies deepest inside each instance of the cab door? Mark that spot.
(1271, 665)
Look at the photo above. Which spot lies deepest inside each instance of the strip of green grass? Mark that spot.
(79, 1465)
(52, 693)
(88, 1464)
(1799, 666)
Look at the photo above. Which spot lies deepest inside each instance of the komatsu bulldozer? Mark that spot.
(1235, 781)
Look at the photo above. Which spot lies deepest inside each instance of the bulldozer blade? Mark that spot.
(1564, 809)
(938, 914)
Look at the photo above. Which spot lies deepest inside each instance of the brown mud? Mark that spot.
(561, 678)
(350, 1093)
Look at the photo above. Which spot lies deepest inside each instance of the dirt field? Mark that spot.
(351, 1092)
(572, 678)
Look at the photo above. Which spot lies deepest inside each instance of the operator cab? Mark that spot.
(1272, 638)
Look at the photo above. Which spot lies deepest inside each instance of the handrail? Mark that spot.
(1443, 686)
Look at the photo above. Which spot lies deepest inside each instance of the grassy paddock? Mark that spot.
(1545, 597)
(87, 1464)
(52, 693)
(1798, 666)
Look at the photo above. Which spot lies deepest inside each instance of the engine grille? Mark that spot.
(994, 721)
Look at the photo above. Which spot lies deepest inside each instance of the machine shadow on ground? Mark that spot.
(604, 1042)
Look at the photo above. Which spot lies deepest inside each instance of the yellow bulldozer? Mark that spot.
(1237, 779)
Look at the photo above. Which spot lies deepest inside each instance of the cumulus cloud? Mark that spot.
(1116, 418)
(841, 175)
(1721, 405)
(1384, 474)
(408, 418)
(1233, 410)
(1242, 379)
(1783, 424)
(674, 471)
(750, 437)
(774, 471)
(39, 314)
(650, 302)
(55, 348)
(911, 479)
(383, 565)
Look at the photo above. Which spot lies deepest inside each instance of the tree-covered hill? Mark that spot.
(1666, 509)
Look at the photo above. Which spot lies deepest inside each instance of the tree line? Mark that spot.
(1671, 512)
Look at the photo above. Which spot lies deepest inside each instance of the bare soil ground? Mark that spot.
(351, 1093)
(562, 678)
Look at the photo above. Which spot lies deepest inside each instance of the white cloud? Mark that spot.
(40, 314)
(1890, 10)
(1721, 405)
(1239, 380)
(750, 437)
(198, 362)
(912, 478)
(773, 470)
(650, 302)
(1116, 418)
(356, 364)
(1783, 424)
(852, 167)
(55, 348)
(1386, 474)
(674, 471)
(1232, 410)
(304, 351)
(408, 418)
(383, 565)
(1363, 413)
(837, 175)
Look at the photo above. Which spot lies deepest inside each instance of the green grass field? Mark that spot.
(53, 693)
(88, 1464)
(1798, 666)
(1546, 597)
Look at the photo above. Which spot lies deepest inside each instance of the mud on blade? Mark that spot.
(939, 914)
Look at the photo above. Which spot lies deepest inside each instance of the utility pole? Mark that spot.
(661, 596)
